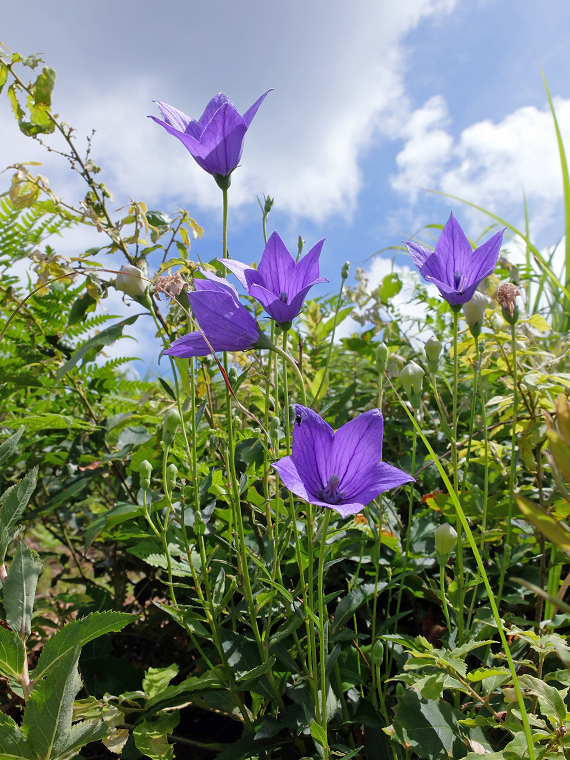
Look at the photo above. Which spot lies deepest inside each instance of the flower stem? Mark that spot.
(225, 223)
(311, 602)
(443, 596)
(338, 305)
(322, 615)
(459, 551)
(409, 522)
(513, 470)
(296, 371)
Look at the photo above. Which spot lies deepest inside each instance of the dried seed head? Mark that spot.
(507, 294)
(171, 285)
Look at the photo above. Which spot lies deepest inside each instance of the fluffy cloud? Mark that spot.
(337, 70)
(489, 164)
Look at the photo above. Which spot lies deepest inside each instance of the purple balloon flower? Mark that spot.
(342, 470)
(279, 284)
(454, 267)
(226, 323)
(215, 141)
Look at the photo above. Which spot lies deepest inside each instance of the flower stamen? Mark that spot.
(331, 494)
(283, 296)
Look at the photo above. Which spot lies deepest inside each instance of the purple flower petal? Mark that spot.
(277, 266)
(215, 283)
(188, 346)
(307, 270)
(485, 257)
(357, 446)
(175, 118)
(455, 250)
(247, 276)
(212, 108)
(250, 113)
(228, 325)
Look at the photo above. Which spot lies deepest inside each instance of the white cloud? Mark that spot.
(338, 71)
(489, 164)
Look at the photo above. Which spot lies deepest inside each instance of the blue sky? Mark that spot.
(373, 101)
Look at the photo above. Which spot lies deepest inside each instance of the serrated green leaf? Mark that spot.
(49, 709)
(20, 589)
(13, 503)
(79, 735)
(151, 738)
(157, 679)
(255, 673)
(78, 633)
(10, 444)
(55, 421)
(551, 699)
(178, 695)
(319, 734)
(13, 744)
(12, 653)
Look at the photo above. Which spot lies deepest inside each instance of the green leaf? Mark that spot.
(553, 530)
(79, 735)
(83, 304)
(252, 675)
(77, 634)
(119, 513)
(48, 713)
(151, 738)
(350, 603)
(49, 420)
(3, 75)
(12, 505)
(20, 589)
(157, 679)
(9, 445)
(391, 285)
(551, 700)
(11, 653)
(105, 338)
(319, 734)
(167, 388)
(183, 692)
(12, 741)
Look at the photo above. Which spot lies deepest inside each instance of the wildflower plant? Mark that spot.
(320, 564)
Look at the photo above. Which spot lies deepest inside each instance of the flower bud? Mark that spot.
(411, 378)
(432, 349)
(445, 538)
(145, 473)
(345, 270)
(378, 653)
(381, 356)
(171, 475)
(170, 426)
(232, 375)
(274, 427)
(129, 281)
(474, 312)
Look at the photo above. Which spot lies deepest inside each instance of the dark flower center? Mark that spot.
(459, 282)
(283, 296)
(330, 493)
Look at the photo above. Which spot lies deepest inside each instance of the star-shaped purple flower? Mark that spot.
(342, 470)
(227, 324)
(454, 267)
(215, 141)
(279, 284)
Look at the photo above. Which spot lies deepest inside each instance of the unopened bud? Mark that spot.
(378, 653)
(170, 426)
(474, 312)
(232, 375)
(236, 420)
(432, 349)
(381, 356)
(411, 378)
(345, 270)
(274, 427)
(445, 538)
(145, 473)
(171, 475)
(129, 281)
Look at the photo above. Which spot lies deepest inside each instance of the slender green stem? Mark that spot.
(443, 596)
(483, 572)
(338, 305)
(225, 252)
(296, 372)
(476, 370)
(410, 518)
(323, 618)
(459, 551)
(311, 601)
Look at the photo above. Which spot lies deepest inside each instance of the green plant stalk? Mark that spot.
(311, 594)
(513, 468)
(443, 596)
(375, 600)
(164, 527)
(481, 567)
(409, 523)
(459, 550)
(554, 574)
(322, 614)
(476, 371)
(338, 305)
(296, 372)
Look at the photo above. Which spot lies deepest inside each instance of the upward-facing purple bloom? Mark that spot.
(454, 267)
(215, 141)
(226, 323)
(342, 470)
(279, 284)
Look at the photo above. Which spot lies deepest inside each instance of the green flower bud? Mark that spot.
(445, 538)
(274, 427)
(378, 653)
(345, 270)
(411, 377)
(236, 420)
(145, 473)
(474, 312)
(170, 426)
(171, 475)
(232, 375)
(432, 350)
(129, 281)
(381, 356)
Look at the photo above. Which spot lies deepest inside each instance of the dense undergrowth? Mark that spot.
(187, 604)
